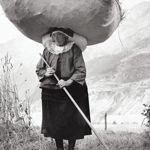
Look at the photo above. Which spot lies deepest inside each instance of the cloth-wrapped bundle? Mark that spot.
(95, 20)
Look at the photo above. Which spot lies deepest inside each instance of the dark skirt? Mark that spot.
(60, 118)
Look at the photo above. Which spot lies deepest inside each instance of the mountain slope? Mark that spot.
(119, 84)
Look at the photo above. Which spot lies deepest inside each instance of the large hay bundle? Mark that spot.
(94, 19)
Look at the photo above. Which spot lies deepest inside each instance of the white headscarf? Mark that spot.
(53, 48)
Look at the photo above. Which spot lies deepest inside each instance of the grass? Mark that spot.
(117, 141)
(23, 138)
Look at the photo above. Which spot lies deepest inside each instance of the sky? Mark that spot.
(8, 31)
(130, 3)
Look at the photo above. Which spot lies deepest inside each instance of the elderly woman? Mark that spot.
(60, 119)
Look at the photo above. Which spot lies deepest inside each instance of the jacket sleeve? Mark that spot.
(41, 69)
(79, 74)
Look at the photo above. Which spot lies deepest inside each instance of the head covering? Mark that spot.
(46, 38)
(68, 32)
(80, 41)
(52, 47)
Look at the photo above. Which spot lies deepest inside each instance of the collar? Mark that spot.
(54, 49)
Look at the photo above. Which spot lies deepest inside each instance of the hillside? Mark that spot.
(118, 75)
(119, 83)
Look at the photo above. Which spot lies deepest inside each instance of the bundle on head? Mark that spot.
(95, 20)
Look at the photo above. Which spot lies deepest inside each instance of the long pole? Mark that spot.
(79, 109)
(105, 121)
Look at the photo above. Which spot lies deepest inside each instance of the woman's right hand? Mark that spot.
(49, 72)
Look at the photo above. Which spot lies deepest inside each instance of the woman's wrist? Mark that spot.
(69, 81)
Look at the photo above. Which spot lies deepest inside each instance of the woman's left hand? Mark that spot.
(62, 83)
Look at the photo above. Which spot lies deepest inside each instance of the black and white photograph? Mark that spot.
(74, 74)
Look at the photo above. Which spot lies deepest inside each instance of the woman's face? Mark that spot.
(59, 38)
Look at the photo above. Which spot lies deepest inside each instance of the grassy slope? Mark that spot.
(115, 141)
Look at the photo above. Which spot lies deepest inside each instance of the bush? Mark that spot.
(146, 113)
(15, 119)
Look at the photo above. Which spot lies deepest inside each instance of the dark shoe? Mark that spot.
(70, 148)
(60, 149)
(71, 144)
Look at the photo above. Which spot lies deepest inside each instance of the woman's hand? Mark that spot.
(49, 72)
(62, 83)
